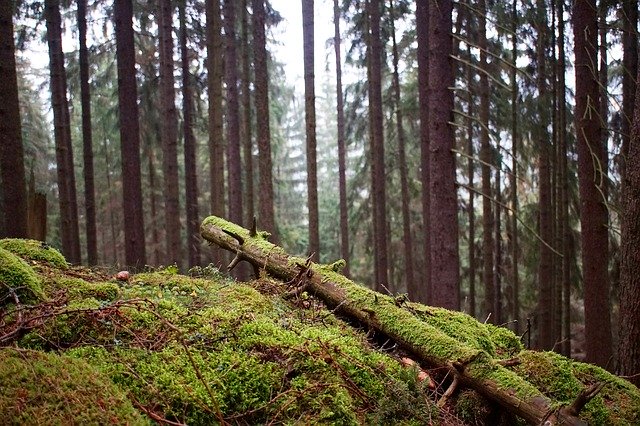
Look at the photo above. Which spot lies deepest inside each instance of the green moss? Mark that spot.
(78, 288)
(260, 240)
(507, 344)
(17, 275)
(48, 388)
(35, 250)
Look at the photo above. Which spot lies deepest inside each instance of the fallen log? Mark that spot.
(424, 331)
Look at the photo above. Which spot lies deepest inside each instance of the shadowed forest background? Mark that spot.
(478, 156)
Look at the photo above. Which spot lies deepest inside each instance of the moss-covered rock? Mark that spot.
(17, 275)
(35, 250)
(45, 388)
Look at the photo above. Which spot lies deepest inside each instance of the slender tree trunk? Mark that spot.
(486, 158)
(310, 120)
(85, 99)
(497, 277)
(445, 273)
(135, 253)
(169, 135)
(513, 237)
(14, 189)
(546, 338)
(593, 213)
(630, 68)
(62, 131)
(233, 115)
(424, 293)
(629, 345)
(247, 137)
(377, 149)
(263, 133)
(190, 173)
(404, 186)
(214, 84)
(342, 175)
(470, 181)
(153, 207)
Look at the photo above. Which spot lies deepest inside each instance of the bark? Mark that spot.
(470, 181)
(169, 135)
(135, 252)
(402, 159)
(497, 276)
(190, 174)
(234, 163)
(378, 187)
(62, 133)
(486, 158)
(14, 188)
(443, 209)
(629, 345)
(310, 126)
(87, 142)
(342, 175)
(386, 316)
(247, 137)
(593, 213)
(629, 69)
(424, 293)
(513, 229)
(266, 213)
(546, 336)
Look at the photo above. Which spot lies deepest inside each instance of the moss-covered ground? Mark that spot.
(205, 349)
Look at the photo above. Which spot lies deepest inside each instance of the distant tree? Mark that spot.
(263, 133)
(424, 293)
(342, 176)
(247, 124)
(62, 131)
(513, 182)
(169, 134)
(445, 264)
(135, 253)
(310, 120)
(593, 212)
(190, 166)
(87, 140)
(14, 189)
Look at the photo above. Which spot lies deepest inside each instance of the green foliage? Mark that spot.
(18, 276)
(35, 250)
(47, 388)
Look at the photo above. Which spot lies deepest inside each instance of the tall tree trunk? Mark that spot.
(404, 185)
(546, 338)
(424, 293)
(445, 273)
(310, 120)
(87, 143)
(497, 277)
(14, 188)
(377, 149)
(263, 131)
(233, 115)
(486, 159)
(169, 135)
(513, 229)
(470, 182)
(155, 235)
(214, 84)
(629, 346)
(135, 253)
(342, 175)
(247, 139)
(190, 173)
(630, 70)
(62, 131)
(593, 213)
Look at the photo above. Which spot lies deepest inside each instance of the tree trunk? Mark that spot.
(135, 254)
(424, 293)
(263, 131)
(62, 132)
(470, 181)
(247, 137)
(310, 120)
(593, 213)
(444, 202)
(190, 174)
(14, 188)
(513, 229)
(629, 69)
(233, 115)
(87, 143)
(169, 135)
(342, 174)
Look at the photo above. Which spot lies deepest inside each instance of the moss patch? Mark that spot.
(48, 388)
(35, 250)
(19, 277)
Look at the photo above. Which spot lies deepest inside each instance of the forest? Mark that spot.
(481, 157)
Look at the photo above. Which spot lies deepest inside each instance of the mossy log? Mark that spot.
(434, 336)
